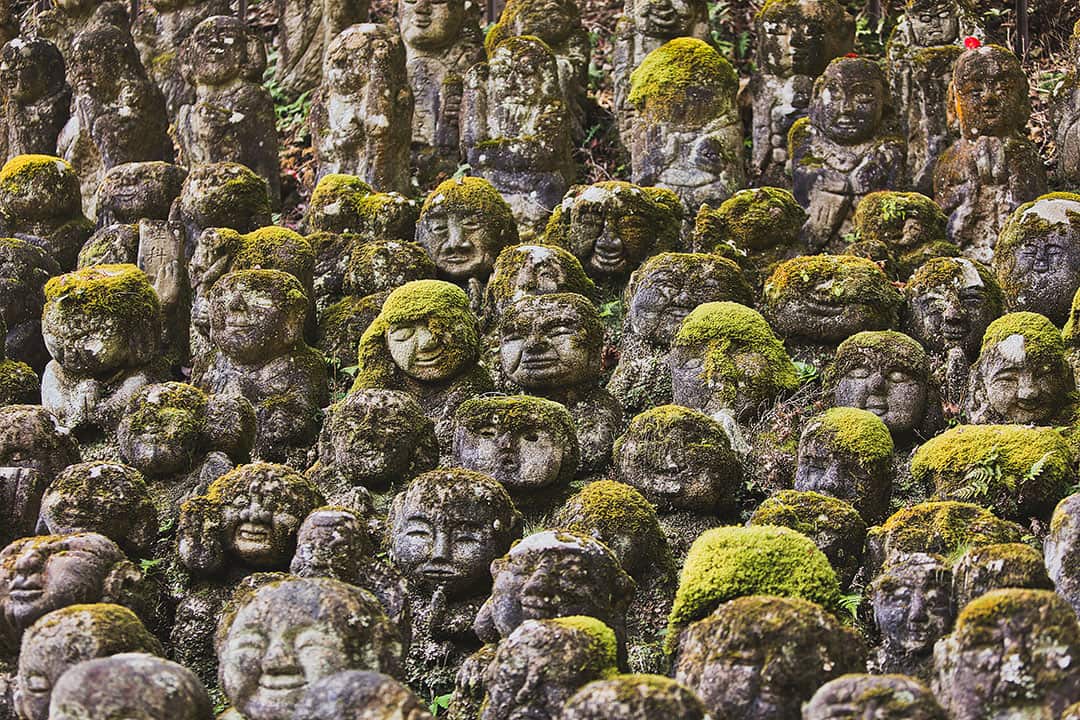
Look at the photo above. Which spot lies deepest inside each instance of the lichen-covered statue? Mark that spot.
(913, 609)
(1066, 116)
(361, 121)
(18, 381)
(522, 270)
(842, 151)
(231, 118)
(516, 128)
(1037, 256)
(685, 134)
(256, 330)
(550, 345)
(24, 270)
(905, 229)
(883, 697)
(1021, 375)
(634, 697)
(444, 531)
(920, 53)
(996, 567)
(101, 326)
(221, 195)
(993, 167)
(360, 695)
(796, 39)
(37, 97)
(40, 202)
(304, 32)
(1062, 549)
(658, 297)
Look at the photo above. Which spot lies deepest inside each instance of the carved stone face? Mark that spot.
(1017, 388)
(363, 45)
(666, 18)
(792, 49)
(824, 469)
(31, 70)
(422, 350)
(934, 23)
(256, 315)
(885, 385)
(430, 24)
(219, 51)
(990, 92)
(913, 604)
(32, 438)
(954, 313)
(529, 270)
(359, 695)
(460, 242)
(446, 529)
(849, 101)
(330, 543)
(890, 697)
(1040, 270)
(550, 20)
(550, 342)
(261, 514)
(162, 430)
(523, 78)
(740, 392)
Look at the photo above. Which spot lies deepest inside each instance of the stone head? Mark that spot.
(554, 573)
(446, 528)
(549, 21)
(223, 195)
(522, 270)
(221, 50)
(288, 634)
(32, 439)
(101, 319)
(524, 68)
(134, 191)
(882, 697)
(38, 188)
(1037, 256)
(634, 697)
(1001, 565)
(951, 301)
(680, 460)
(374, 437)
(101, 497)
(543, 662)
(991, 92)
(337, 204)
(360, 695)
(902, 221)
(383, 265)
(332, 542)
(1021, 375)
(31, 70)
(376, 48)
(751, 221)
(887, 373)
(846, 453)
(667, 287)
(431, 24)
(257, 314)
(63, 638)
(849, 101)
(933, 22)
(551, 342)
(912, 601)
(800, 37)
(526, 443)
(725, 358)
(668, 19)
(100, 56)
(684, 83)
(612, 226)
(24, 270)
(463, 225)
(134, 686)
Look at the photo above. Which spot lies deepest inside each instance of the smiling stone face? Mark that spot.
(849, 101)
(890, 697)
(256, 314)
(550, 341)
(800, 37)
(913, 609)
(463, 226)
(991, 92)
(430, 24)
(951, 301)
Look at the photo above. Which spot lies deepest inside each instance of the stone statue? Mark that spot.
(305, 32)
(24, 269)
(220, 195)
(1066, 116)
(634, 697)
(37, 98)
(904, 229)
(1062, 547)
(884, 697)
(913, 609)
(360, 695)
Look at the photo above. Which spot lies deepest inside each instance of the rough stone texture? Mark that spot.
(360, 695)
(995, 567)
(634, 697)
(913, 609)
(305, 33)
(37, 97)
(24, 269)
(522, 270)
(1066, 117)
(220, 195)
(883, 697)
(1062, 550)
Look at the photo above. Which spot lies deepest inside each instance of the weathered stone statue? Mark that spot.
(884, 697)
(231, 118)
(658, 297)
(919, 57)
(220, 195)
(796, 39)
(1012, 654)
(842, 151)
(18, 381)
(62, 22)
(40, 202)
(1066, 116)
(135, 685)
(550, 346)
(516, 127)
(305, 31)
(686, 134)
(101, 326)
(24, 269)
(361, 121)
(445, 530)
(996, 567)
(993, 167)
(904, 229)
(256, 330)
(360, 695)
(37, 98)
(634, 697)
(1021, 375)
(1062, 548)
(345, 204)
(522, 270)
(159, 30)
(913, 609)
(139, 191)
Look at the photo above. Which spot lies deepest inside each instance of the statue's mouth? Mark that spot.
(438, 572)
(543, 362)
(288, 681)
(535, 604)
(429, 358)
(253, 533)
(953, 333)
(823, 307)
(603, 258)
(27, 594)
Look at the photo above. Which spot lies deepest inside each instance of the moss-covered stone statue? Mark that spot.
(516, 127)
(101, 326)
(1037, 256)
(658, 297)
(1013, 653)
(913, 609)
(685, 133)
(795, 40)
(919, 55)
(887, 697)
(527, 443)
(360, 695)
(304, 32)
(24, 269)
(522, 270)
(550, 345)
(904, 229)
(361, 121)
(780, 649)
(843, 150)
(256, 331)
(993, 167)
(19, 383)
(444, 531)
(136, 191)
(995, 567)
(346, 204)
(61, 23)
(40, 202)
(634, 697)
(1021, 375)
(1062, 549)
(1066, 116)
(37, 97)
(221, 195)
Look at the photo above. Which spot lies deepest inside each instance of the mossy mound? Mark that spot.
(750, 221)
(471, 194)
(19, 384)
(1026, 612)
(948, 272)
(684, 80)
(850, 280)
(34, 184)
(993, 567)
(1043, 343)
(118, 292)
(941, 528)
(601, 646)
(859, 433)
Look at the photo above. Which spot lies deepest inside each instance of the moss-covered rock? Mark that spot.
(382, 265)
(19, 384)
(749, 223)
(994, 567)
(909, 224)
(684, 80)
(533, 269)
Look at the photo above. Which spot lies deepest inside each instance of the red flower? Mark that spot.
(852, 55)
(971, 42)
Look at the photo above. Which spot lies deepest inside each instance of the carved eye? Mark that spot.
(37, 684)
(899, 376)
(530, 436)
(402, 333)
(488, 432)
(859, 373)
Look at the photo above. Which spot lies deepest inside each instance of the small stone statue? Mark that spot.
(305, 31)
(1062, 548)
(37, 98)
(842, 151)
(232, 116)
(1066, 116)
(685, 134)
(360, 695)
(634, 697)
(24, 269)
(795, 42)
(361, 121)
(516, 126)
(101, 326)
(18, 381)
(139, 191)
(883, 697)
(995, 567)
(221, 195)
(345, 204)
(904, 229)
(134, 685)
(522, 270)
(992, 168)
(60, 23)
(550, 346)
(913, 609)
